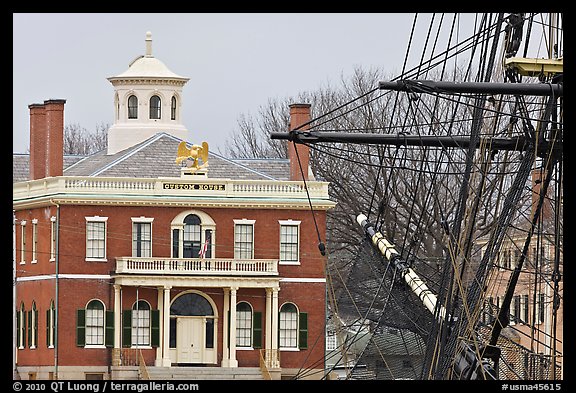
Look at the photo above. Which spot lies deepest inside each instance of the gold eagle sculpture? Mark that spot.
(192, 155)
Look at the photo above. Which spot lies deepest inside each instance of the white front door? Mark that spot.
(190, 339)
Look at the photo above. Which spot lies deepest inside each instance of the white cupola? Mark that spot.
(147, 100)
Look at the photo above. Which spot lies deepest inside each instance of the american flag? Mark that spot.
(202, 253)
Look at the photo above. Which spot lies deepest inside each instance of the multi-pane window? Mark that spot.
(330, 341)
(289, 239)
(192, 236)
(34, 240)
(142, 237)
(132, 107)
(23, 241)
(243, 239)
(53, 238)
(243, 325)
(141, 323)
(173, 109)
(288, 326)
(95, 323)
(96, 237)
(154, 107)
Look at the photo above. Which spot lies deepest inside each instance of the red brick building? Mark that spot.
(125, 258)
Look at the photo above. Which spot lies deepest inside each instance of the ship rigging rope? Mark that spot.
(454, 249)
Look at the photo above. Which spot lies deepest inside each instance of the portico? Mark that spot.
(189, 320)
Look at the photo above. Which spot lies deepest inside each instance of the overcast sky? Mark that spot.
(235, 62)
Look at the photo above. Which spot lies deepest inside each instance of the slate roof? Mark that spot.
(21, 165)
(155, 157)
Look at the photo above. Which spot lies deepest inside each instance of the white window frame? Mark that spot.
(52, 239)
(297, 346)
(128, 106)
(105, 221)
(136, 329)
(22, 242)
(22, 329)
(245, 222)
(157, 110)
(33, 326)
(331, 341)
(34, 241)
(238, 327)
(52, 326)
(142, 220)
(286, 223)
(206, 223)
(512, 312)
(525, 308)
(103, 327)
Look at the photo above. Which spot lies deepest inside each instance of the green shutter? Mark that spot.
(24, 325)
(18, 322)
(109, 330)
(127, 328)
(36, 328)
(303, 330)
(155, 328)
(29, 328)
(48, 316)
(257, 330)
(80, 327)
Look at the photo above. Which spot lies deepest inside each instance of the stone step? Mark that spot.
(213, 373)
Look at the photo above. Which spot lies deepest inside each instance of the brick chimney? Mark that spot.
(37, 166)
(299, 114)
(46, 139)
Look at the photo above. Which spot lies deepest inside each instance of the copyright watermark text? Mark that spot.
(103, 386)
(532, 386)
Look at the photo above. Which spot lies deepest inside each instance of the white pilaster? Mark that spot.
(117, 314)
(274, 338)
(159, 349)
(233, 361)
(166, 319)
(225, 351)
(268, 341)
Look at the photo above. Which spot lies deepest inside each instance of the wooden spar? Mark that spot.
(387, 249)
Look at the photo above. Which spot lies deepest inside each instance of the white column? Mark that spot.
(225, 352)
(158, 361)
(117, 314)
(166, 323)
(274, 337)
(233, 361)
(268, 342)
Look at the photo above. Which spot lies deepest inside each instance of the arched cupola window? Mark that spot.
(173, 109)
(155, 111)
(132, 107)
